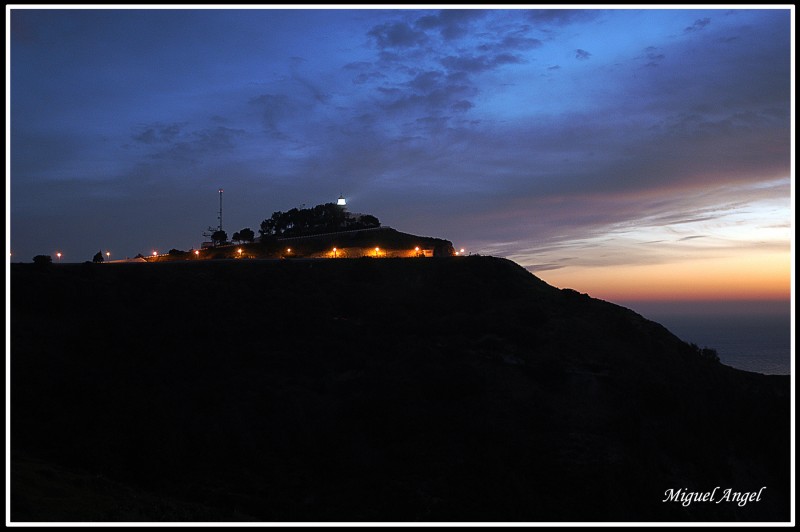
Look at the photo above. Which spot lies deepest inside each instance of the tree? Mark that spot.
(236, 237)
(367, 220)
(267, 227)
(706, 353)
(41, 260)
(247, 234)
(98, 257)
(709, 354)
(219, 237)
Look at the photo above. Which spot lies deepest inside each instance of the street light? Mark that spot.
(376, 252)
(197, 253)
(155, 253)
(334, 253)
(239, 251)
(108, 255)
(58, 254)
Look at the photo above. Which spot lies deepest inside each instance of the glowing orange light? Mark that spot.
(155, 253)
(196, 252)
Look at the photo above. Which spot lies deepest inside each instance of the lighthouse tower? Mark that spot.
(341, 202)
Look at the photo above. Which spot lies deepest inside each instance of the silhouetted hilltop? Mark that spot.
(452, 389)
(383, 242)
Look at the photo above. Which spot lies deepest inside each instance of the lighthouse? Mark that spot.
(341, 202)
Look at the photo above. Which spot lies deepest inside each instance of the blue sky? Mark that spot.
(576, 142)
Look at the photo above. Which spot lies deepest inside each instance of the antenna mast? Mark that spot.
(220, 209)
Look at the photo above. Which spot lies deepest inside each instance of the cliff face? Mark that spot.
(455, 389)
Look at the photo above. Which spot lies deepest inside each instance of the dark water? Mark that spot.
(759, 343)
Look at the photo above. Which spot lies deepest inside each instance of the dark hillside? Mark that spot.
(450, 389)
(357, 242)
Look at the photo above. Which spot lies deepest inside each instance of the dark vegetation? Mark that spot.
(326, 218)
(219, 237)
(244, 235)
(453, 389)
(706, 352)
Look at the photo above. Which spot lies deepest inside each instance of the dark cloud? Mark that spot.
(426, 81)
(698, 25)
(506, 59)
(216, 139)
(446, 38)
(513, 42)
(582, 54)
(313, 89)
(543, 267)
(432, 124)
(510, 44)
(653, 56)
(561, 17)
(396, 35)
(367, 77)
(462, 106)
(274, 108)
(366, 72)
(436, 98)
(451, 23)
(200, 145)
(158, 133)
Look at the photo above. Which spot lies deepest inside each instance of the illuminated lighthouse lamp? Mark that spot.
(341, 201)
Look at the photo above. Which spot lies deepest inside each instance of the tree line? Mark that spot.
(325, 218)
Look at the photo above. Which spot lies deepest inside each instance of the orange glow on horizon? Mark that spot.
(760, 277)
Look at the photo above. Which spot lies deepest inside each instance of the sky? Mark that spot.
(633, 154)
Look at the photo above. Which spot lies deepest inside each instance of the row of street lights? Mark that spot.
(239, 252)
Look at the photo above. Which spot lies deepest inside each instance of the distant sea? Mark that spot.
(759, 341)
